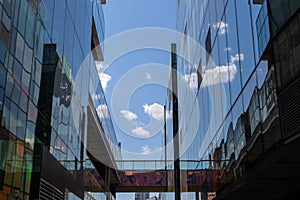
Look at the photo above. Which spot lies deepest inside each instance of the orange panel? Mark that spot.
(6, 189)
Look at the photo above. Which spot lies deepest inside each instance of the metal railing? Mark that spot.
(158, 165)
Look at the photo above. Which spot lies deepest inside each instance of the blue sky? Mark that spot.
(144, 103)
(121, 16)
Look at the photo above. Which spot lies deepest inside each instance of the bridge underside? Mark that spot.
(162, 181)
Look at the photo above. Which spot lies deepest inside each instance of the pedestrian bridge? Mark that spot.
(158, 176)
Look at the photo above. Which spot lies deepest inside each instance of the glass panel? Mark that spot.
(10, 163)
(79, 21)
(30, 138)
(28, 170)
(17, 72)
(9, 85)
(16, 93)
(18, 163)
(3, 50)
(234, 54)
(13, 118)
(1, 102)
(262, 70)
(69, 43)
(16, 12)
(13, 40)
(87, 34)
(239, 127)
(213, 19)
(2, 75)
(77, 54)
(224, 50)
(27, 62)
(30, 27)
(21, 125)
(22, 18)
(59, 25)
(245, 39)
(20, 47)
(25, 82)
(49, 14)
(23, 101)
(72, 8)
(36, 94)
(39, 40)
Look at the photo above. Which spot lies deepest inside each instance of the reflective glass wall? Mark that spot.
(21, 56)
(235, 90)
(48, 80)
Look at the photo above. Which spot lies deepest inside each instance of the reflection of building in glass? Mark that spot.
(54, 118)
(249, 110)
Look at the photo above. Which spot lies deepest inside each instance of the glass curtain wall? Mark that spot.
(49, 39)
(237, 98)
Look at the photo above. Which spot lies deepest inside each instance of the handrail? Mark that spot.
(155, 165)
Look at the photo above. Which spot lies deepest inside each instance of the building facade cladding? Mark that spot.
(251, 57)
(48, 79)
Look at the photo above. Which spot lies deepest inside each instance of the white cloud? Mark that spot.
(101, 66)
(156, 111)
(192, 80)
(223, 27)
(96, 97)
(237, 57)
(140, 132)
(148, 76)
(228, 49)
(219, 74)
(102, 111)
(104, 78)
(216, 75)
(128, 115)
(169, 114)
(145, 149)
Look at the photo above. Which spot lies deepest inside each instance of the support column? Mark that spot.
(197, 195)
(175, 123)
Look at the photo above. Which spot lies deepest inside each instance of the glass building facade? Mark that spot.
(51, 100)
(242, 77)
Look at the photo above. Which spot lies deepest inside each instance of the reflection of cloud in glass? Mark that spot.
(237, 57)
(141, 132)
(128, 115)
(223, 27)
(101, 66)
(228, 49)
(192, 80)
(145, 149)
(213, 76)
(96, 97)
(102, 111)
(104, 78)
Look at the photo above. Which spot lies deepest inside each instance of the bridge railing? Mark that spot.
(156, 165)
